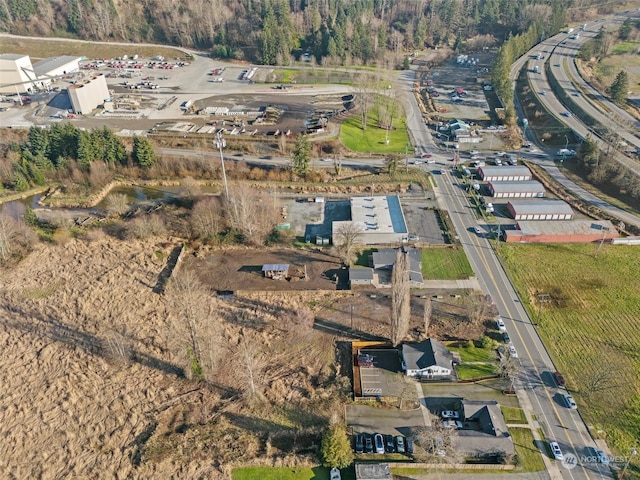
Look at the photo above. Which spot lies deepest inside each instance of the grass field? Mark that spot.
(529, 457)
(469, 371)
(610, 66)
(590, 326)
(283, 473)
(37, 49)
(443, 263)
(373, 139)
(513, 415)
(625, 47)
(474, 354)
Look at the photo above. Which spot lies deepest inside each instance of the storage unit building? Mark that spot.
(525, 189)
(517, 173)
(540, 210)
(87, 95)
(56, 67)
(16, 73)
(563, 231)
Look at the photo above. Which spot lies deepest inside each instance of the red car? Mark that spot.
(557, 376)
(426, 155)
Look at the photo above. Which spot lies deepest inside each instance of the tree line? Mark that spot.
(48, 151)
(272, 31)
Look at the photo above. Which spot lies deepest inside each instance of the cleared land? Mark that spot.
(590, 326)
(442, 263)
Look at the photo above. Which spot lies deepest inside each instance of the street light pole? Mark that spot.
(632, 454)
(542, 299)
(220, 142)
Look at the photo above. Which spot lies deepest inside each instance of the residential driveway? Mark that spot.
(363, 418)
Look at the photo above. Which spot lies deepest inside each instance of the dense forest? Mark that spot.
(272, 32)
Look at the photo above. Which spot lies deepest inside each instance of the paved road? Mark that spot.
(558, 423)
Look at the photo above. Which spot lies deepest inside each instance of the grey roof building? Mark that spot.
(360, 276)
(385, 258)
(427, 359)
(488, 437)
(524, 189)
(549, 209)
(517, 173)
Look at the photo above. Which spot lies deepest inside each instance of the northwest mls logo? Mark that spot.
(569, 461)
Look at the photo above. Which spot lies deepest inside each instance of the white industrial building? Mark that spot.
(525, 189)
(56, 67)
(550, 209)
(509, 173)
(377, 220)
(16, 73)
(85, 96)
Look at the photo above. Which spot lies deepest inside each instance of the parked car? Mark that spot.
(569, 401)
(555, 450)
(457, 424)
(409, 446)
(501, 325)
(477, 230)
(506, 337)
(450, 415)
(389, 444)
(378, 442)
(335, 474)
(559, 379)
(400, 444)
(513, 352)
(368, 444)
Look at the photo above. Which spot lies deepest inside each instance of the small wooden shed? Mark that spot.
(275, 271)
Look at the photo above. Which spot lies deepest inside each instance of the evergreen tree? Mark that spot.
(301, 155)
(38, 140)
(336, 449)
(619, 88)
(143, 152)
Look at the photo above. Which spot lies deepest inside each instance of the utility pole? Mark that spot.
(632, 454)
(406, 157)
(220, 143)
(604, 230)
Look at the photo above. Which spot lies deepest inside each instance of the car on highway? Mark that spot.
(378, 443)
(452, 424)
(501, 325)
(543, 92)
(431, 161)
(506, 338)
(569, 402)
(426, 155)
(600, 456)
(513, 352)
(566, 114)
(359, 443)
(449, 415)
(477, 230)
(559, 379)
(400, 448)
(474, 152)
(555, 450)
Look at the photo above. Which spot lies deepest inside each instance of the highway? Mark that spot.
(535, 383)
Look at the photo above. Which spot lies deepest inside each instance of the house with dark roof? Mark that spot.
(385, 259)
(360, 276)
(428, 359)
(485, 433)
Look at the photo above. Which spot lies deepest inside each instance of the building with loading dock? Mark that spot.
(492, 173)
(550, 209)
(524, 189)
(562, 231)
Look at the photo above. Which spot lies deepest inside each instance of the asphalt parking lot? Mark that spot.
(423, 220)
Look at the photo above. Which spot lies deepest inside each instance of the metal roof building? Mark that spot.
(360, 276)
(16, 73)
(517, 173)
(87, 95)
(550, 209)
(379, 220)
(525, 189)
(563, 231)
(56, 66)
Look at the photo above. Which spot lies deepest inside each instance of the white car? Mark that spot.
(452, 424)
(450, 415)
(501, 325)
(513, 352)
(474, 152)
(555, 450)
(431, 161)
(569, 401)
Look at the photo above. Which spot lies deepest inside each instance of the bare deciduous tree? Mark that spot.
(507, 367)
(426, 315)
(601, 378)
(189, 187)
(14, 236)
(400, 298)
(196, 328)
(99, 174)
(146, 226)
(252, 369)
(117, 204)
(206, 219)
(345, 241)
(251, 212)
(438, 442)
